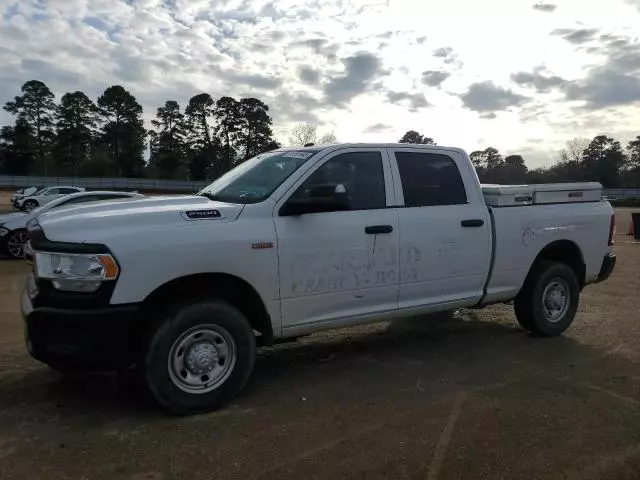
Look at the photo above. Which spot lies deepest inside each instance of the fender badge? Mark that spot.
(261, 245)
(201, 214)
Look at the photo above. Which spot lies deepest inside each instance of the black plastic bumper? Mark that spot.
(608, 264)
(92, 340)
(3, 243)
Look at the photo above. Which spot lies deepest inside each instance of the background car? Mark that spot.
(45, 196)
(13, 231)
(24, 192)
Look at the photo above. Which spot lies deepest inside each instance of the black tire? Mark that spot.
(161, 376)
(16, 237)
(30, 205)
(530, 308)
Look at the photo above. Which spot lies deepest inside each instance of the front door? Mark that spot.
(445, 241)
(340, 265)
(51, 195)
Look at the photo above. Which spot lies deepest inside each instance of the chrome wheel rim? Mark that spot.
(16, 243)
(555, 300)
(202, 358)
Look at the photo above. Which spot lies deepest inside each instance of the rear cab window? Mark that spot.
(429, 179)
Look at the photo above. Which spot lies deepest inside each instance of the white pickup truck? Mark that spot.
(295, 241)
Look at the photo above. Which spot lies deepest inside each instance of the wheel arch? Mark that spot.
(30, 200)
(226, 287)
(13, 232)
(566, 252)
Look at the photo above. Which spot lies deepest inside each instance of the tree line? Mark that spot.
(601, 159)
(107, 138)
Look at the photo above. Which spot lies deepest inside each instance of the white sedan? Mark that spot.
(45, 196)
(24, 192)
(13, 231)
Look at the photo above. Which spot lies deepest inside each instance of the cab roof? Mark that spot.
(341, 146)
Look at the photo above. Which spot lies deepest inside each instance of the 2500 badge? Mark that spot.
(201, 214)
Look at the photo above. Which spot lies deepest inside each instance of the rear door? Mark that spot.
(340, 265)
(445, 242)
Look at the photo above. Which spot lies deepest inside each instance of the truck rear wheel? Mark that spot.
(199, 357)
(548, 301)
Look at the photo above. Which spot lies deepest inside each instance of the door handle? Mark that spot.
(376, 229)
(476, 222)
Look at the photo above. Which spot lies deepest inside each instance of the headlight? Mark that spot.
(76, 273)
(4, 231)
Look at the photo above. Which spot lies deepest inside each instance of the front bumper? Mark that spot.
(608, 265)
(3, 242)
(99, 339)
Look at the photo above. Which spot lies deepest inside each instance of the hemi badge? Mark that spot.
(261, 245)
(202, 214)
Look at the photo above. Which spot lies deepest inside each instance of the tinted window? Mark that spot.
(361, 173)
(113, 197)
(66, 191)
(430, 179)
(91, 198)
(75, 200)
(53, 191)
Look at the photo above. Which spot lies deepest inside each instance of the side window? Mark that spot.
(113, 197)
(66, 191)
(76, 200)
(430, 179)
(361, 173)
(52, 191)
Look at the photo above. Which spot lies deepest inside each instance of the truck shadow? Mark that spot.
(450, 347)
(434, 354)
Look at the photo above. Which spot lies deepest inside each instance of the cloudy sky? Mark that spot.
(515, 74)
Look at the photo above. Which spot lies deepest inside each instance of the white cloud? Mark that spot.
(521, 76)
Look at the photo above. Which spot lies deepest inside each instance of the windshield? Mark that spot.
(254, 180)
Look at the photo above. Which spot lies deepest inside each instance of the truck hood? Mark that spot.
(96, 222)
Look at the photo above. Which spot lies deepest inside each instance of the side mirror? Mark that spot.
(318, 199)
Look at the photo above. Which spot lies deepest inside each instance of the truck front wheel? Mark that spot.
(199, 357)
(548, 301)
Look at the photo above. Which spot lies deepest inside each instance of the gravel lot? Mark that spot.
(468, 395)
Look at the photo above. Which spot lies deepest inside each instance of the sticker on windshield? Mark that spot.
(303, 155)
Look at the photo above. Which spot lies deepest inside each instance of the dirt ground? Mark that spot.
(467, 396)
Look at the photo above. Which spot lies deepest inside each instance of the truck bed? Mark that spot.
(541, 194)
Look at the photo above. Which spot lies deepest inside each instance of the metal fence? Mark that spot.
(615, 193)
(182, 186)
(142, 184)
